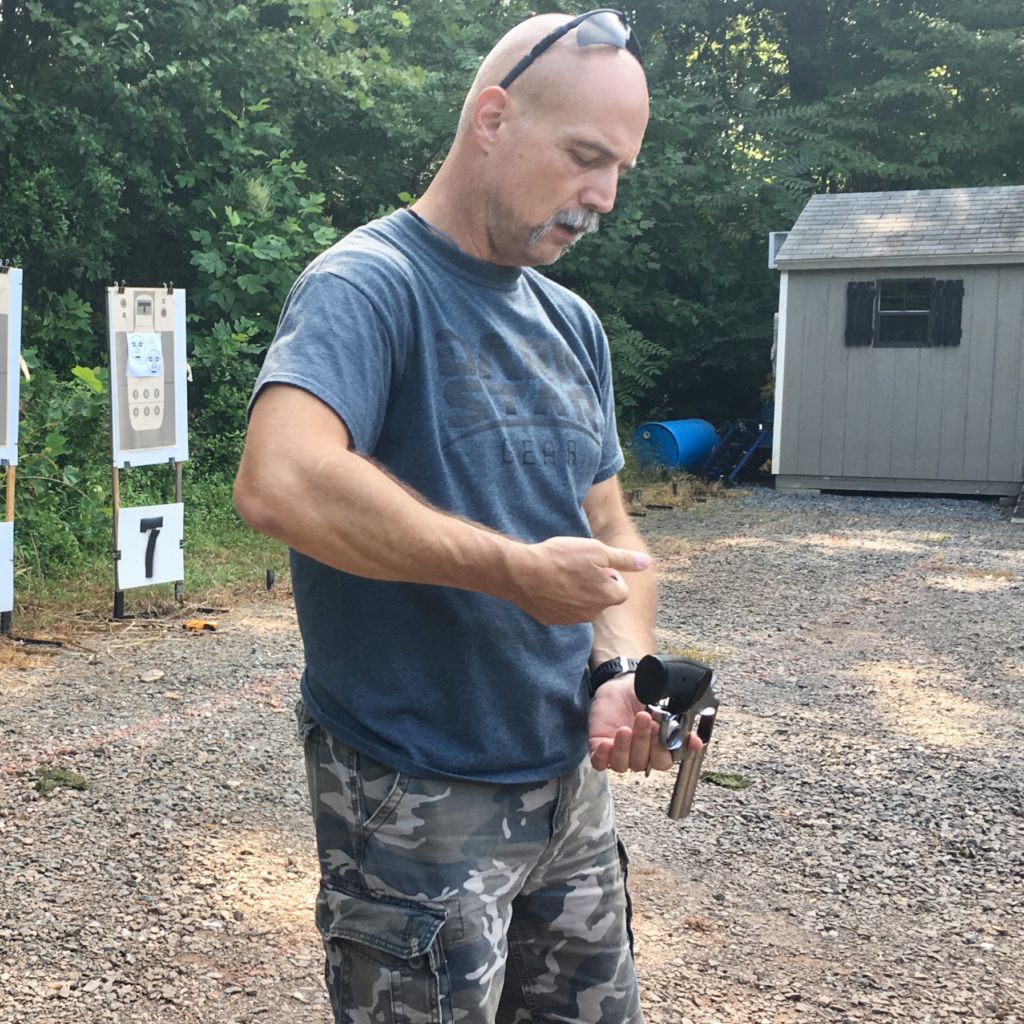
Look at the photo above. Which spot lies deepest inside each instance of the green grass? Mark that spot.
(51, 778)
(229, 554)
(713, 656)
(727, 780)
(225, 561)
(666, 487)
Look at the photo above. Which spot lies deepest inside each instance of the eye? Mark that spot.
(585, 160)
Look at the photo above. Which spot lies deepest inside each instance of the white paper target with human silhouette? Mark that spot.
(147, 375)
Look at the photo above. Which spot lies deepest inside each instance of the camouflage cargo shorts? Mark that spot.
(456, 902)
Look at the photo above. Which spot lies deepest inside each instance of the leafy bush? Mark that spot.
(63, 481)
(636, 364)
(256, 229)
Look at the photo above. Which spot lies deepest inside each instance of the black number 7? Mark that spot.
(145, 526)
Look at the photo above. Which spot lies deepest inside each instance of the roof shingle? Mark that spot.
(877, 225)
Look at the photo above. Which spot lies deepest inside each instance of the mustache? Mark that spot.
(583, 222)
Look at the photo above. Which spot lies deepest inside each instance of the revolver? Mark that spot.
(679, 693)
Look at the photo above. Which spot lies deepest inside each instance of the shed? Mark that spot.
(900, 356)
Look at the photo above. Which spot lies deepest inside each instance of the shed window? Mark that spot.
(904, 313)
(904, 309)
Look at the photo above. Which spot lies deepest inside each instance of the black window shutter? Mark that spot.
(860, 312)
(947, 311)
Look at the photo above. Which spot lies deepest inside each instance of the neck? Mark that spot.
(453, 205)
(435, 230)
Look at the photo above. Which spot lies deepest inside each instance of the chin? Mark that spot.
(544, 253)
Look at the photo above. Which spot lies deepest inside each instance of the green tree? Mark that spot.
(221, 145)
(755, 106)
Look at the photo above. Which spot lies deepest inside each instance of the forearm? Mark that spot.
(627, 629)
(621, 734)
(345, 511)
(624, 629)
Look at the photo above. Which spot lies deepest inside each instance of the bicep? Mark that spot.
(291, 435)
(286, 420)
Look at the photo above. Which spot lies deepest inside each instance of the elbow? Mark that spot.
(255, 505)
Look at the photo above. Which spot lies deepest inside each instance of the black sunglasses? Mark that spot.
(600, 26)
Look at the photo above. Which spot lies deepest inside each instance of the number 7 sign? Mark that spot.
(149, 543)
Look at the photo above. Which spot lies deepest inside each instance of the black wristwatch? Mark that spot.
(609, 670)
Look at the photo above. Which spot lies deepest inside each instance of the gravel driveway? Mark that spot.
(870, 665)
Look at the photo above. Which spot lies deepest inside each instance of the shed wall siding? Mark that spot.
(904, 413)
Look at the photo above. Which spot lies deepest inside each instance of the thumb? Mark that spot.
(625, 560)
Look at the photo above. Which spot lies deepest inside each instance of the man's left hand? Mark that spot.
(622, 735)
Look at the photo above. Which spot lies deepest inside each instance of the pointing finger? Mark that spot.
(625, 560)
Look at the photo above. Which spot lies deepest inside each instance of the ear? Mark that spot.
(492, 108)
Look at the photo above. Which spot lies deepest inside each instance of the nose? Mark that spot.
(601, 187)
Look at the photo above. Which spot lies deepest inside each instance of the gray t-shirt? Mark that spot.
(488, 390)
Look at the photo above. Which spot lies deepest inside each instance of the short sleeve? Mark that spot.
(611, 451)
(333, 342)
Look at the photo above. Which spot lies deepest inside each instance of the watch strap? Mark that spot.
(610, 669)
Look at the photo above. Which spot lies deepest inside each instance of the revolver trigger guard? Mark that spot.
(671, 734)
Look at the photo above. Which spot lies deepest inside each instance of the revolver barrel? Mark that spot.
(690, 764)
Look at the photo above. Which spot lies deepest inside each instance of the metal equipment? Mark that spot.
(745, 446)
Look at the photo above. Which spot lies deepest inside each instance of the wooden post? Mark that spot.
(179, 586)
(5, 617)
(118, 593)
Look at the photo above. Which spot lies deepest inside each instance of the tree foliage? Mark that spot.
(220, 145)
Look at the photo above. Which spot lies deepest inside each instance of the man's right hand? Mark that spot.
(568, 580)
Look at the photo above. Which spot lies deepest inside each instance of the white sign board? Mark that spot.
(149, 542)
(10, 372)
(148, 400)
(6, 567)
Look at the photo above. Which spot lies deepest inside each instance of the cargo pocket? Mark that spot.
(305, 723)
(384, 959)
(380, 790)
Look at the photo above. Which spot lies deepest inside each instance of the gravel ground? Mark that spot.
(870, 665)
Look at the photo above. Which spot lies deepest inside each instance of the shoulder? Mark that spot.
(567, 302)
(366, 257)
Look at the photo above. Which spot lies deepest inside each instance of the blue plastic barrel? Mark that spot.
(676, 444)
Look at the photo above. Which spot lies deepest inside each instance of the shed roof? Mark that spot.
(925, 227)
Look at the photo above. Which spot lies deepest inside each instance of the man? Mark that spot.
(433, 436)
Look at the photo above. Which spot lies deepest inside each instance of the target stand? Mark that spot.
(149, 426)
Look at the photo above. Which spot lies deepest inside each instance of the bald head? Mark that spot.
(534, 165)
(548, 75)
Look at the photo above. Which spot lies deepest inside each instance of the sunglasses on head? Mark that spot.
(600, 26)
